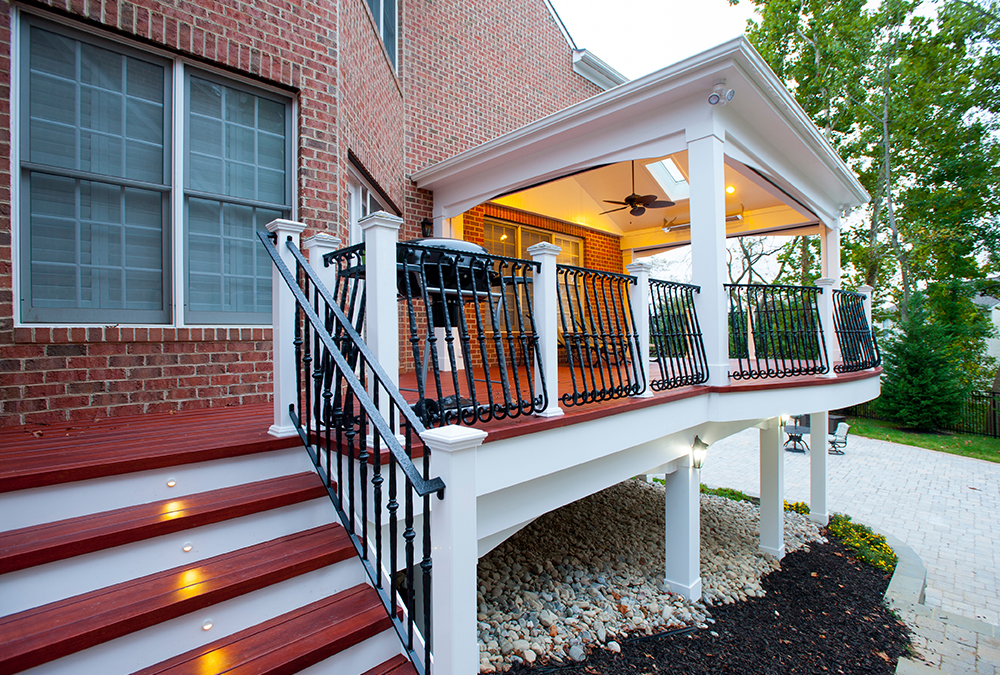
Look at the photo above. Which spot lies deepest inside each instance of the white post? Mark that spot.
(683, 530)
(283, 329)
(772, 490)
(829, 246)
(380, 231)
(316, 247)
(824, 301)
(708, 249)
(818, 422)
(546, 307)
(640, 311)
(456, 549)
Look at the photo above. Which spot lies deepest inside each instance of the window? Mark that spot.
(513, 241)
(384, 13)
(99, 162)
(362, 204)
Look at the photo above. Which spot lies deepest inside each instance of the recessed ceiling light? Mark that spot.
(730, 189)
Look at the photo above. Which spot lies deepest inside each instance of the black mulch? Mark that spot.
(822, 613)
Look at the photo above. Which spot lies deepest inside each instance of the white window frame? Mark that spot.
(174, 271)
(363, 200)
(377, 9)
(553, 236)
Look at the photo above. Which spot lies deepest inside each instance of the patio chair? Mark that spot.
(838, 439)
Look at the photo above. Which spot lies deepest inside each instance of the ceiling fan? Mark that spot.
(638, 203)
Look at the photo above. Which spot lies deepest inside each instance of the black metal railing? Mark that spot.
(350, 417)
(775, 331)
(349, 293)
(471, 331)
(978, 414)
(598, 335)
(675, 340)
(858, 347)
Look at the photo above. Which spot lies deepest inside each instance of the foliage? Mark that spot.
(867, 545)
(907, 92)
(921, 388)
(798, 507)
(950, 305)
(965, 445)
(727, 493)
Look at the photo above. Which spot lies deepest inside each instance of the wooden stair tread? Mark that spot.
(58, 540)
(290, 642)
(397, 665)
(45, 633)
(36, 456)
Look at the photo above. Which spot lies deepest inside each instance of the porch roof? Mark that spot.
(763, 129)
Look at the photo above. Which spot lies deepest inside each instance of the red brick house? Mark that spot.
(153, 521)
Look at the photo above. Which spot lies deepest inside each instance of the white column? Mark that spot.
(545, 303)
(817, 468)
(640, 310)
(381, 231)
(825, 302)
(456, 549)
(772, 490)
(708, 250)
(283, 329)
(683, 530)
(316, 247)
(829, 247)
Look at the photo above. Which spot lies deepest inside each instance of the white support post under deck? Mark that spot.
(706, 166)
(683, 530)
(772, 489)
(818, 468)
(283, 328)
(545, 301)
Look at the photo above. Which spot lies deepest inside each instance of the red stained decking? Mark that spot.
(45, 455)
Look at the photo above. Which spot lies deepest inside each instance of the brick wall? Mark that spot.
(53, 374)
(474, 71)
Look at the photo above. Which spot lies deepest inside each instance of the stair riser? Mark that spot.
(360, 658)
(157, 643)
(23, 508)
(64, 578)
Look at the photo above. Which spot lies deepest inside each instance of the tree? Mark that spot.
(921, 387)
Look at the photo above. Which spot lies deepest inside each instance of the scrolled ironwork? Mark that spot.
(858, 346)
(598, 335)
(472, 335)
(675, 339)
(360, 434)
(775, 331)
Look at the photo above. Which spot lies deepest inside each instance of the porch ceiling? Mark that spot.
(785, 174)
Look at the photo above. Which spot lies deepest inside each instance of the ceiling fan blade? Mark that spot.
(658, 204)
(638, 211)
(645, 199)
(613, 210)
(608, 201)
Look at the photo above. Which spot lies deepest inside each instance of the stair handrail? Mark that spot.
(360, 425)
(423, 487)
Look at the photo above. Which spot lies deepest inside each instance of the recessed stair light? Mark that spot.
(171, 483)
(207, 625)
(187, 547)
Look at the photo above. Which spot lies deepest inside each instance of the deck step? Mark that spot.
(40, 544)
(290, 642)
(49, 632)
(397, 665)
(38, 456)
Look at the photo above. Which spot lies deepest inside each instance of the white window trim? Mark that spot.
(355, 184)
(178, 295)
(393, 58)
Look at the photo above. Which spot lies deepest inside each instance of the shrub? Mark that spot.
(728, 493)
(867, 545)
(798, 507)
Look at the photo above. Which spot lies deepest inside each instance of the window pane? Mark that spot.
(85, 102)
(89, 240)
(389, 28)
(500, 239)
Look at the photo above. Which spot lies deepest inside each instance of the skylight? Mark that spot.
(670, 179)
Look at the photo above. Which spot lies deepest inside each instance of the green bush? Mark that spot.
(728, 493)
(867, 545)
(798, 507)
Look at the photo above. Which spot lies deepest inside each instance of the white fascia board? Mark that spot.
(593, 69)
(660, 102)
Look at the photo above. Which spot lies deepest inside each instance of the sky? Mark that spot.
(636, 37)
